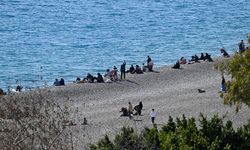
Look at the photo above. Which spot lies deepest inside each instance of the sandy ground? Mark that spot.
(171, 92)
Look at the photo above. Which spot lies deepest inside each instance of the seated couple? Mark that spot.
(136, 70)
(207, 57)
(90, 78)
(129, 111)
(59, 83)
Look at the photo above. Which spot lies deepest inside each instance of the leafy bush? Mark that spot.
(182, 134)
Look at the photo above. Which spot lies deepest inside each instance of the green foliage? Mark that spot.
(238, 88)
(182, 134)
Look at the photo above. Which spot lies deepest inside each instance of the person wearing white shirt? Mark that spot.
(153, 115)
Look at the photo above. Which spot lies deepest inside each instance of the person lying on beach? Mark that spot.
(224, 53)
(176, 65)
(138, 70)
(182, 60)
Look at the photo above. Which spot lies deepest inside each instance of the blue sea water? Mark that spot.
(48, 39)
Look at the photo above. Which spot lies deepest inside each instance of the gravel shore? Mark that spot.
(171, 92)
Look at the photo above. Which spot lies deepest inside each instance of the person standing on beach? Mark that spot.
(123, 70)
(241, 46)
(153, 115)
(223, 84)
(130, 110)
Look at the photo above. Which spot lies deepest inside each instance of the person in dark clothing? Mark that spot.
(56, 83)
(177, 65)
(123, 70)
(149, 60)
(138, 108)
(223, 84)
(224, 53)
(61, 82)
(138, 70)
(89, 78)
(99, 78)
(131, 69)
(202, 57)
(208, 57)
(241, 47)
(19, 88)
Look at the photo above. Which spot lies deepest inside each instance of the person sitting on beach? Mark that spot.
(182, 60)
(19, 88)
(202, 57)
(131, 69)
(124, 111)
(56, 83)
(208, 58)
(138, 70)
(224, 53)
(78, 80)
(2, 92)
(177, 65)
(61, 82)
(195, 58)
(89, 78)
(138, 108)
(113, 74)
(107, 74)
(99, 78)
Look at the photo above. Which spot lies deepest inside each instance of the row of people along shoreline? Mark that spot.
(112, 75)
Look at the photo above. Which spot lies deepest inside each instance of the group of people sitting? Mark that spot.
(59, 83)
(112, 75)
(130, 111)
(90, 79)
(194, 59)
(145, 68)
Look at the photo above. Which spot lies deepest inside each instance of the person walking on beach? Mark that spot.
(123, 70)
(153, 115)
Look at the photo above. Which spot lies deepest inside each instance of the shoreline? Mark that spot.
(171, 92)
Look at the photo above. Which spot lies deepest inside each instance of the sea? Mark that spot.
(41, 40)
